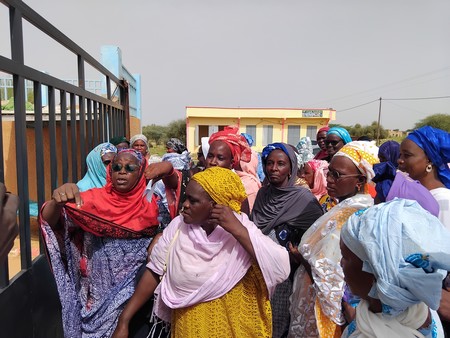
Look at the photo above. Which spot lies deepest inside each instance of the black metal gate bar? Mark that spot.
(64, 142)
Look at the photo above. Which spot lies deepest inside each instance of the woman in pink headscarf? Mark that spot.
(249, 178)
(315, 174)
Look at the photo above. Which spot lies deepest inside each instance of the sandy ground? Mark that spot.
(14, 254)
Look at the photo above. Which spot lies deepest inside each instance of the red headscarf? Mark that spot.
(240, 150)
(107, 212)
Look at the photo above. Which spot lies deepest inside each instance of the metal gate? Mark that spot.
(49, 148)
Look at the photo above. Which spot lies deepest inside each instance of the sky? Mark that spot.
(266, 53)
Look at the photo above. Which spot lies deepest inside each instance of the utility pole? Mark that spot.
(378, 127)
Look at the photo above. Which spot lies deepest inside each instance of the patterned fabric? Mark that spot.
(327, 202)
(404, 258)
(320, 247)
(95, 276)
(180, 161)
(243, 312)
(240, 150)
(363, 154)
(223, 185)
(176, 145)
(95, 176)
(305, 151)
(133, 152)
(341, 132)
(436, 145)
(249, 138)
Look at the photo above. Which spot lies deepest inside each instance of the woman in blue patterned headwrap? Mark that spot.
(337, 137)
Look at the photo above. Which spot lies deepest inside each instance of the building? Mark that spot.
(265, 125)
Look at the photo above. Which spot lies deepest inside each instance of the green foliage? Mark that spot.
(358, 130)
(160, 134)
(441, 121)
(9, 106)
(154, 133)
(177, 129)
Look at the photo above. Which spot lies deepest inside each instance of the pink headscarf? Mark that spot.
(250, 178)
(320, 169)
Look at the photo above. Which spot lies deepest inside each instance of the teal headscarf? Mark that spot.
(342, 133)
(96, 173)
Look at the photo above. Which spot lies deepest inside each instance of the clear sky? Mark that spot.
(268, 53)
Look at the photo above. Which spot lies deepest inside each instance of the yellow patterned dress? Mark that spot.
(243, 312)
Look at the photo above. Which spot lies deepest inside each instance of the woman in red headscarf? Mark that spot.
(321, 136)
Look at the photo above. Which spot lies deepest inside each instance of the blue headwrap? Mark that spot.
(249, 138)
(436, 145)
(384, 176)
(390, 151)
(341, 132)
(271, 147)
(95, 176)
(403, 246)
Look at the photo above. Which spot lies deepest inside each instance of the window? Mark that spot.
(267, 135)
(311, 131)
(251, 130)
(293, 135)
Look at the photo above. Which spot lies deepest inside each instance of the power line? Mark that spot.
(364, 104)
(419, 98)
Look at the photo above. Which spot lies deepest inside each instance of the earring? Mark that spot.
(289, 176)
(429, 168)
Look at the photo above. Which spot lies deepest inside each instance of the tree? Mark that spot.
(441, 121)
(177, 129)
(154, 133)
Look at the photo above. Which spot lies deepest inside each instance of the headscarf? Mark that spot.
(305, 152)
(322, 154)
(119, 139)
(223, 186)
(179, 161)
(138, 137)
(341, 132)
(436, 145)
(240, 150)
(326, 128)
(404, 186)
(293, 204)
(95, 176)
(403, 247)
(108, 212)
(320, 169)
(249, 138)
(391, 151)
(205, 146)
(363, 154)
(176, 145)
(384, 176)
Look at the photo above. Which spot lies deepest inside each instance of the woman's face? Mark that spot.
(123, 145)
(321, 137)
(198, 205)
(107, 158)
(219, 155)
(278, 168)
(343, 178)
(333, 144)
(359, 281)
(308, 175)
(412, 160)
(125, 172)
(140, 146)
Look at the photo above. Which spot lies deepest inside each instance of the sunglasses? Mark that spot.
(333, 143)
(106, 162)
(128, 167)
(336, 175)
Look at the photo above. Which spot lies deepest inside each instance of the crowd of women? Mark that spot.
(350, 242)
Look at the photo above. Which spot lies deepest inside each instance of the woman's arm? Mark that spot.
(224, 216)
(162, 170)
(142, 294)
(51, 212)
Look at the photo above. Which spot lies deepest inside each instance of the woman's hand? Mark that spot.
(157, 171)
(296, 255)
(66, 193)
(223, 215)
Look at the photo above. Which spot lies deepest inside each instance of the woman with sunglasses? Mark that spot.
(337, 137)
(97, 241)
(317, 311)
(97, 161)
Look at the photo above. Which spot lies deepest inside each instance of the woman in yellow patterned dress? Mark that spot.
(213, 270)
(316, 301)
